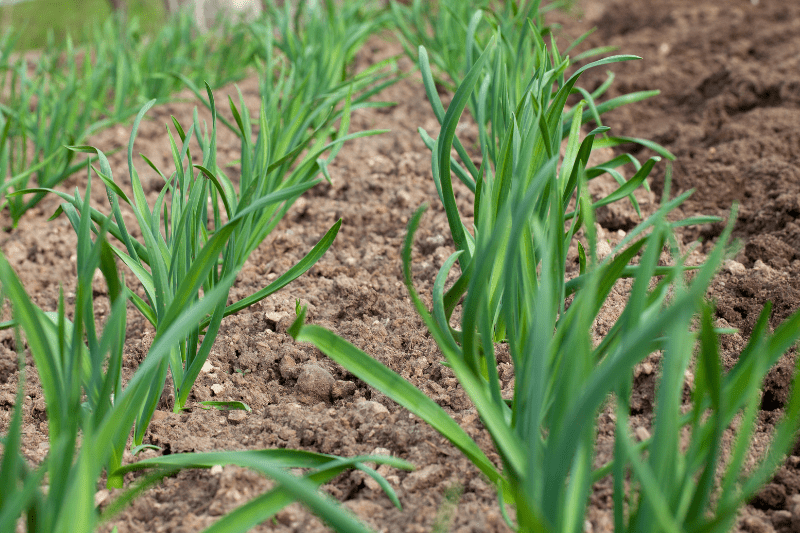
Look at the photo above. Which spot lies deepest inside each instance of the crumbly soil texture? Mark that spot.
(729, 110)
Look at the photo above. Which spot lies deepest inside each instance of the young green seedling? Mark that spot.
(521, 127)
(513, 289)
(201, 227)
(90, 415)
(175, 264)
(186, 258)
(77, 91)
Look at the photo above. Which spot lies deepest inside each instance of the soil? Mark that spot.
(729, 110)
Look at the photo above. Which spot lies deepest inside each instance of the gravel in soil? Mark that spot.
(729, 110)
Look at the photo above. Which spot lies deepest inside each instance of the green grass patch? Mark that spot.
(35, 20)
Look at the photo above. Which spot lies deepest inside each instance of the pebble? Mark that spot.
(236, 416)
(101, 496)
(316, 382)
(159, 415)
(370, 409)
(734, 267)
(288, 368)
(343, 388)
(603, 250)
(423, 478)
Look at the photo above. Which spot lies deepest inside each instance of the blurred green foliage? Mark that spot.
(34, 19)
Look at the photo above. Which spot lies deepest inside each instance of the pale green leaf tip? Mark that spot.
(297, 325)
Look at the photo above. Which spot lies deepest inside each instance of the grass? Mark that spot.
(508, 273)
(128, 68)
(38, 21)
(112, 77)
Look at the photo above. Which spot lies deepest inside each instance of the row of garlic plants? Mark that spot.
(194, 240)
(531, 202)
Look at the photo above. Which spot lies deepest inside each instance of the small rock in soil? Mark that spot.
(371, 409)
(316, 383)
(236, 416)
(734, 267)
(343, 389)
(159, 415)
(422, 479)
(288, 368)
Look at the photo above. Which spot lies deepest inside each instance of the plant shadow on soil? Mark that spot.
(729, 110)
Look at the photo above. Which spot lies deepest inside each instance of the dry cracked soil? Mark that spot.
(729, 109)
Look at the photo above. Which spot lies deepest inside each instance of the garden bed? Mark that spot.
(729, 110)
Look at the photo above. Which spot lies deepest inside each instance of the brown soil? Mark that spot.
(728, 109)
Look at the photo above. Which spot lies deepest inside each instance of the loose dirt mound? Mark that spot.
(728, 110)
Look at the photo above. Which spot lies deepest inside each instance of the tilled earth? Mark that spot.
(729, 110)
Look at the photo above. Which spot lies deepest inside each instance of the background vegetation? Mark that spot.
(35, 19)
